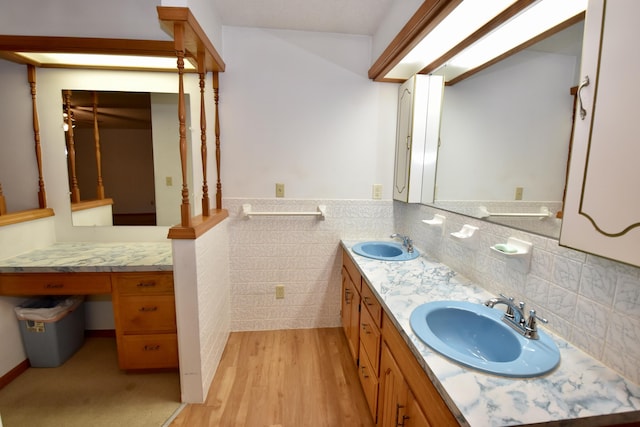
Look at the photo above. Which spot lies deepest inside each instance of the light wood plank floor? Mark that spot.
(297, 378)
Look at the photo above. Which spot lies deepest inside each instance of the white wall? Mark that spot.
(297, 108)
(202, 288)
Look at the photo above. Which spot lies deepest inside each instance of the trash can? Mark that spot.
(52, 329)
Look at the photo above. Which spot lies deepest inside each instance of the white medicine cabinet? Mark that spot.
(602, 206)
(417, 136)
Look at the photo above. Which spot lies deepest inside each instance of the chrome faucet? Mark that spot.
(515, 317)
(406, 241)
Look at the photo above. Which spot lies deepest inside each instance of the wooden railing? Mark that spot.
(191, 42)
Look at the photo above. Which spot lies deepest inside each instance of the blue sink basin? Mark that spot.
(385, 251)
(475, 336)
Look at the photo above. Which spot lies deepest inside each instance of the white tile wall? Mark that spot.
(590, 301)
(302, 253)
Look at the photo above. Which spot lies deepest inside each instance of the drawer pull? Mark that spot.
(146, 284)
(54, 286)
(366, 301)
(148, 309)
(364, 328)
(154, 347)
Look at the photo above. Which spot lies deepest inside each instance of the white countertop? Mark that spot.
(92, 257)
(579, 387)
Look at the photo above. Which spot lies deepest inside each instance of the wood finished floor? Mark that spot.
(297, 378)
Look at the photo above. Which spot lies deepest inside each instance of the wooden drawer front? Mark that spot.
(149, 351)
(371, 302)
(370, 339)
(55, 283)
(351, 269)
(369, 381)
(144, 283)
(148, 314)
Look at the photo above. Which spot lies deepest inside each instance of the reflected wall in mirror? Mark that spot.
(124, 170)
(505, 136)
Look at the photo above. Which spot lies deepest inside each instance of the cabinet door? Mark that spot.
(602, 209)
(393, 391)
(414, 416)
(417, 136)
(350, 313)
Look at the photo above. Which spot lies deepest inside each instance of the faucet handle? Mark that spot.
(531, 329)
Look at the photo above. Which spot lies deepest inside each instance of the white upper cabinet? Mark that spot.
(602, 207)
(417, 135)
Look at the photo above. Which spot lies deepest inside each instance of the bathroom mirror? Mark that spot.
(505, 136)
(135, 154)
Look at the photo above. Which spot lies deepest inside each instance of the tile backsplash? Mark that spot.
(590, 301)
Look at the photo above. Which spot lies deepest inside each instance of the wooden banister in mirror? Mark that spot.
(96, 139)
(71, 149)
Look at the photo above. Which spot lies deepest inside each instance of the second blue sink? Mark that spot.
(385, 251)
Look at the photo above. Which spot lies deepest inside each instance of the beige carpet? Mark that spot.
(90, 390)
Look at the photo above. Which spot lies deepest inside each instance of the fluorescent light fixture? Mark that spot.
(464, 20)
(105, 61)
(536, 19)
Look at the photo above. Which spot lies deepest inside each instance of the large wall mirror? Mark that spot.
(505, 136)
(122, 157)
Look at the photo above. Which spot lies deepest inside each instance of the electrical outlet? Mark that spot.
(279, 291)
(169, 181)
(377, 191)
(279, 190)
(519, 191)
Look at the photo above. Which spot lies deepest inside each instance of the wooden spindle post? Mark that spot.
(42, 194)
(71, 148)
(203, 135)
(185, 208)
(3, 202)
(96, 139)
(216, 98)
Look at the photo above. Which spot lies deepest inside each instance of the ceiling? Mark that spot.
(334, 16)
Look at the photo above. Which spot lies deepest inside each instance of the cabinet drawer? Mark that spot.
(55, 283)
(351, 268)
(370, 339)
(148, 314)
(371, 302)
(149, 351)
(144, 283)
(369, 381)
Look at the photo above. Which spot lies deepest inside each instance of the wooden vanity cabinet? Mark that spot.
(350, 306)
(397, 389)
(145, 317)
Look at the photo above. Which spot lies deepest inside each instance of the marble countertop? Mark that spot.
(578, 388)
(92, 257)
